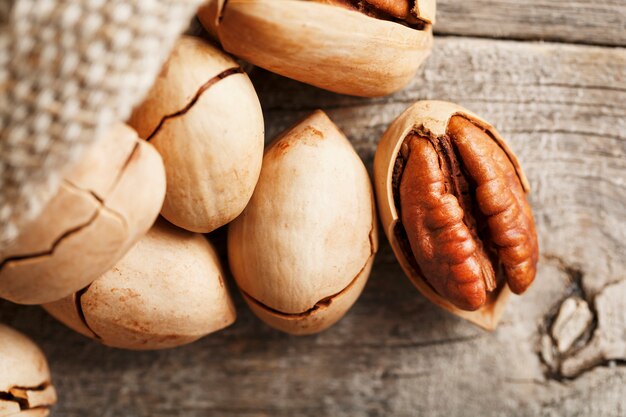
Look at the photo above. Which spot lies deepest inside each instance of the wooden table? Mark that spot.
(562, 106)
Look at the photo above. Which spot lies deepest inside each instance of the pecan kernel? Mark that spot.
(398, 9)
(466, 215)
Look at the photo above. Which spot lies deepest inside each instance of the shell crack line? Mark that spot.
(81, 313)
(68, 233)
(196, 97)
(324, 302)
(102, 205)
(127, 163)
(55, 244)
(20, 396)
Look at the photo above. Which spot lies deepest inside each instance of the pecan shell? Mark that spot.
(466, 216)
(307, 40)
(451, 199)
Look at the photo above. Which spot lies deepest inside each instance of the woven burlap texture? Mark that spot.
(68, 69)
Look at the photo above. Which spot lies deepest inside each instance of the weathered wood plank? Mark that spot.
(561, 107)
(562, 110)
(591, 22)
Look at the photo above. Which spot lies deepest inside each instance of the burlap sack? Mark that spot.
(68, 68)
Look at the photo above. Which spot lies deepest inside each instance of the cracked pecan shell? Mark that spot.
(203, 116)
(303, 248)
(167, 291)
(107, 201)
(357, 47)
(453, 202)
(25, 384)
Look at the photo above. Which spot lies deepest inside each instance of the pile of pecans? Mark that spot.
(302, 232)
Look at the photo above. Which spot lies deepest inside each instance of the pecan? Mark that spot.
(466, 216)
(308, 40)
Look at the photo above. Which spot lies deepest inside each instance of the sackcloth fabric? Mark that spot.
(68, 70)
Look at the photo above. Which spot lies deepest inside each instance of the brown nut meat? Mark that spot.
(362, 48)
(105, 203)
(25, 385)
(166, 292)
(452, 199)
(404, 10)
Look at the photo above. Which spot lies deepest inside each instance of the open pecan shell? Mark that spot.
(478, 240)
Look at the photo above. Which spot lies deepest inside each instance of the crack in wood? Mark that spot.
(554, 367)
(408, 345)
(522, 39)
(575, 276)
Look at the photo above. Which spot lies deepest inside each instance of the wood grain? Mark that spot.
(562, 109)
(590, 22)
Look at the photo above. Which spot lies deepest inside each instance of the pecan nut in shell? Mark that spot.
(302, 250)
(456, 209)
(363, 48)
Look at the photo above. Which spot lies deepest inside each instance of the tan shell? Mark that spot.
(167, 291)
(303, 248)
(204, 117)
(323, 45)
(24, 377)
(430, 118)
(107, 201)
